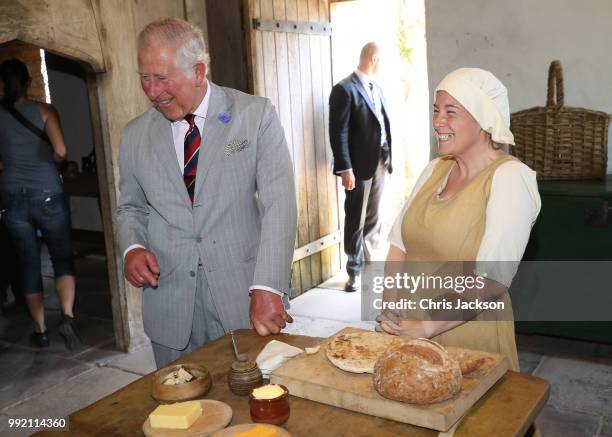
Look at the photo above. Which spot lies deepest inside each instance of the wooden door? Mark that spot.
(290, 63)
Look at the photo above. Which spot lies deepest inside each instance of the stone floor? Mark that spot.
(51, 382)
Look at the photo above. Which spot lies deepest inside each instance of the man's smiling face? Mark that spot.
(172, 91)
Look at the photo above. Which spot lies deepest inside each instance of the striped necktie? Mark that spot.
(192, 150)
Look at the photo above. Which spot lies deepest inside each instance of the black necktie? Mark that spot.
(371, 85)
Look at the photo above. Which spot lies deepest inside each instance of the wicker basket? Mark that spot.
(560, 142)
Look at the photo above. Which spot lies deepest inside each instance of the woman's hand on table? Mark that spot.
(389, 323)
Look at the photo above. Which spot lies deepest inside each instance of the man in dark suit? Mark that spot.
(360, 138)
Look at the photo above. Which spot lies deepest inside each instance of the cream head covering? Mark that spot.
(485, 97)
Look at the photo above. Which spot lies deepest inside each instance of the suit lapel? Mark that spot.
(214, 136)
(163, 149)
(363, 93)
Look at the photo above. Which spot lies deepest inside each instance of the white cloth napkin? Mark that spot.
(274, 355)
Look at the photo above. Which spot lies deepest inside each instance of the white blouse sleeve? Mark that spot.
(513, 206)
(395, 235)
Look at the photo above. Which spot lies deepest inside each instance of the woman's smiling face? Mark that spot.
(456, 130)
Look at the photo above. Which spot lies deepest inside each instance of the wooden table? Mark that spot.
(508, 409)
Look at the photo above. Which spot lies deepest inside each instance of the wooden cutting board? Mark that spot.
(216, 415)
(315, 378)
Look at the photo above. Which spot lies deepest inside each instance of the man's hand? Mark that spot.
(348, 180)
(268, 315)
(141, 268)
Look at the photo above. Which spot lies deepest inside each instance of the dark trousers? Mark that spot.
(27, 210)
(362, 221)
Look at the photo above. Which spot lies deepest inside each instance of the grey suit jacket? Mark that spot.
(242, 225)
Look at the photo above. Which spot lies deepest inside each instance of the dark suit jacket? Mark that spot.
(354, 131)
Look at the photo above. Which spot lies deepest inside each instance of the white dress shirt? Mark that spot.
(180, 128)
(373, 93)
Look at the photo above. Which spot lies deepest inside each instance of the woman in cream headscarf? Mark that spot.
(475, 203)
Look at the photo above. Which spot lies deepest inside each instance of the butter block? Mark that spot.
(269, 391)
(176, 416)
(258, 431)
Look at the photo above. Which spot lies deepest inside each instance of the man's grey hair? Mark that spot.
(187, 38)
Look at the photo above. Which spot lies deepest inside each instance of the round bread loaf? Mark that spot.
(417, 372)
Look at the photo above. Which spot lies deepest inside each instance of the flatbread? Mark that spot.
(469, 361)
(357, 352)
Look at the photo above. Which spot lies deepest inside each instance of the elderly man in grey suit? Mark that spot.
(207, 215)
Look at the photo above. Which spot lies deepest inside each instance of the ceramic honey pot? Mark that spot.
(244, 374)
(243, 377)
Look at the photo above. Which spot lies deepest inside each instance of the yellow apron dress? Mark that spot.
(451, 230)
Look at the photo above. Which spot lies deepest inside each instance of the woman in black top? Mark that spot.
(32, 198)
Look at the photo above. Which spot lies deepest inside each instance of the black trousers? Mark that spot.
(362, 220)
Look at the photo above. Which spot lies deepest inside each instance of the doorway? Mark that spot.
(293, 56)
(398, 26)
(66, 84)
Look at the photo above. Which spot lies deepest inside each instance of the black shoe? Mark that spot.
(353, 284)
(39, 339)
(67, 330)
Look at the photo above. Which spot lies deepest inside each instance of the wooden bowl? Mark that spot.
(273, 411)
(197, 388)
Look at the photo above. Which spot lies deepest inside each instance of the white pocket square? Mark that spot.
(236, 146)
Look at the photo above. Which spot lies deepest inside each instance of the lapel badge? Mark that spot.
(224, 117)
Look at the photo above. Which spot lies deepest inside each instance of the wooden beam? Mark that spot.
(108, 204)
(319, 245)
(285, 26)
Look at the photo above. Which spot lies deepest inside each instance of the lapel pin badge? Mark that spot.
(224, 117)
